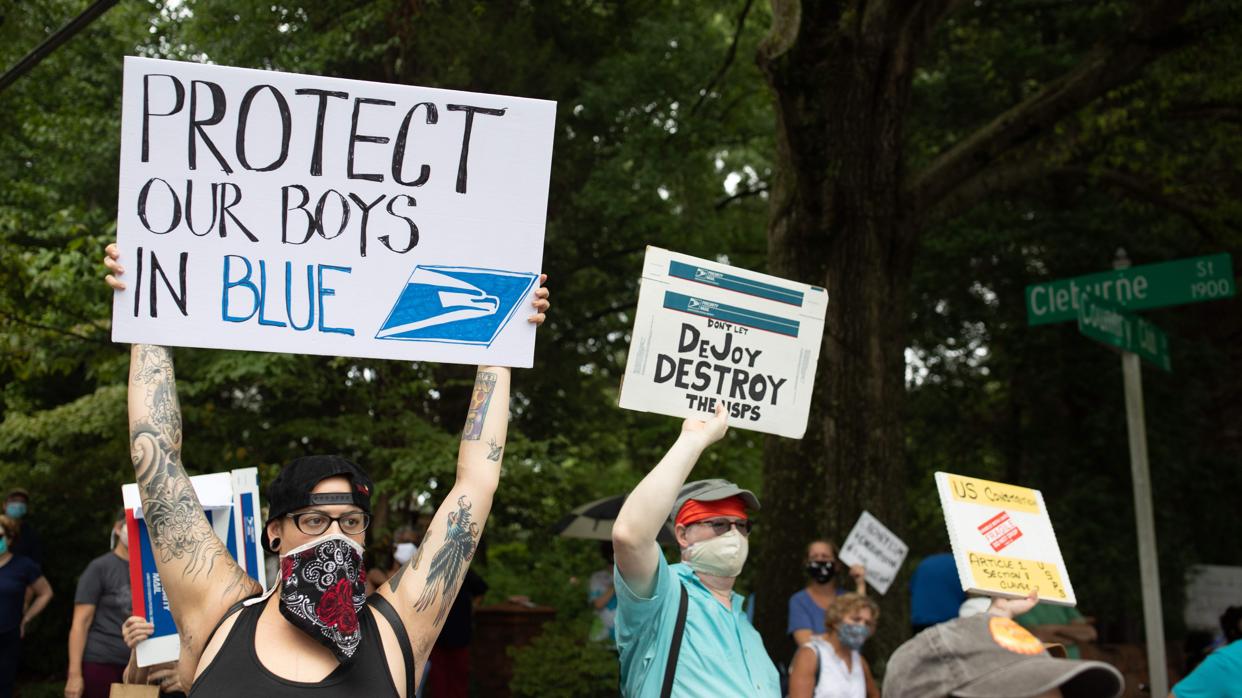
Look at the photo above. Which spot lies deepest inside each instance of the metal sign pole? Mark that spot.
(1149, 569)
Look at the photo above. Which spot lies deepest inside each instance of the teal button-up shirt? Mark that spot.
(721, 653)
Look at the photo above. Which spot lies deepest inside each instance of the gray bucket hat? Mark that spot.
(712, 490)
(987, 656)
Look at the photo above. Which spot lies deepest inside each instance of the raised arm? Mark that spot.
(200, 577)
(423, 589)
(648, 506)
(196, 570)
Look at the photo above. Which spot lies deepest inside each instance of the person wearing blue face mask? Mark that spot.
(17, 574)
(17, 506)
(829, 665)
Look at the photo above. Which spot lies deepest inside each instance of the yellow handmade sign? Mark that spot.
(1003, 540)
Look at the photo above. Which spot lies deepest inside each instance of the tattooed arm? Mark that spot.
(424, 588)
(198, 574)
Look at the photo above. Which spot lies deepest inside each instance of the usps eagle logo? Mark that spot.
(456, 305)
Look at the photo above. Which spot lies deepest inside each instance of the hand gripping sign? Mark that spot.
(1003, 540)
(306, 214)
(231, 503)
(706, 332)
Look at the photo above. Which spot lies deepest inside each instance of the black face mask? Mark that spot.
(821, 572)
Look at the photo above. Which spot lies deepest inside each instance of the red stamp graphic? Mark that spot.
(1000, 531)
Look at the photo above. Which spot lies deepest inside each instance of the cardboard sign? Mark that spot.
(706, 331)
(1003, 540)
(306, 214)
(875, 547)
(231, 503)
(121, 690)
(1210, 589)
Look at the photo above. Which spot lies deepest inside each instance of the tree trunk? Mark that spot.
(837, 220)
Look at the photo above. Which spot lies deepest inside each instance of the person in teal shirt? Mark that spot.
(1218, 676)
(721, 654)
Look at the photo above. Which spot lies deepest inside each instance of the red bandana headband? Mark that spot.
(695, 510)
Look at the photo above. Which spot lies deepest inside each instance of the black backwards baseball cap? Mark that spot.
(988, 656)
(291, 490)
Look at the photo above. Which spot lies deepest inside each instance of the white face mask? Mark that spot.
(403, 552)
(722, 556)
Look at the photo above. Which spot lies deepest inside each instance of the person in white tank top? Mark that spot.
(829, 665)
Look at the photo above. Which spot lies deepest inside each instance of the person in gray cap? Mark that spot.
(991, 656)
(681, 629)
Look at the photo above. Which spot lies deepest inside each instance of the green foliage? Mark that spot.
(562, 663)
(661, 138)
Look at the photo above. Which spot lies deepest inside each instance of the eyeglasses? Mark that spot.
(312, 523)
(722, 526)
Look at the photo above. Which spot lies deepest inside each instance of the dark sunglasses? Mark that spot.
(722, 526)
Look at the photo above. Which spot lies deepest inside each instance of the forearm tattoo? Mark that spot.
(484, 385)
(495, 449)
(175, 519)
(449, 563)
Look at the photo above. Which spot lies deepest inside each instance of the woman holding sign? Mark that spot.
(316, 630)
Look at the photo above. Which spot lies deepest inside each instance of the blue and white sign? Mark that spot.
(231, 503)
(707, 332)
(305, 214)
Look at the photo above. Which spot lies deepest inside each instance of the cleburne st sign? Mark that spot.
(1148, 286)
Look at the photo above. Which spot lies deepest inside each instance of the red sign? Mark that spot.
(1000, 531)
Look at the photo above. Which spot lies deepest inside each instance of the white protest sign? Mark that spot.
(1003, 540)
(231, 503)
(1210, 589)
(875, 547)
(706, 331)
(298, 213)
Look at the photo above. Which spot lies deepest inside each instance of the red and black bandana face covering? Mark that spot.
(322, 589)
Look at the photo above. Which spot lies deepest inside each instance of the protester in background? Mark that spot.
(314, 628)
(991, 655)
(602, 594)
(806, 607)
(935, 592)
(18, 573)
(404, 545)
(17, 507)
(1062, 625)
(135, 629)
(1220, 674)
(829, 665)
(102, 602)
(448, 673)
(720, 654)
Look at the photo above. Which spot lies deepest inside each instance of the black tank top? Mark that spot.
(235, 672)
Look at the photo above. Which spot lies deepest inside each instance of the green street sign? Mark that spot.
(1107, 323)
(1148, 286)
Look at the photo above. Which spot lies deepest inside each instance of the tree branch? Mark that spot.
(1014, 174)
(753, 191)
(1153, 33)
(1144, 190)
(728, 60)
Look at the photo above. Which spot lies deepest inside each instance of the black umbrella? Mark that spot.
(593, 521)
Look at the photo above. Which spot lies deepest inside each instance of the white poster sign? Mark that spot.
(1003, 540)
(706, 331)
(306, 214)
(872, 545)
(231, 504)
(1210, 590)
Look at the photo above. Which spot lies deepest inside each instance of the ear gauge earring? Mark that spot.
(275, 543)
